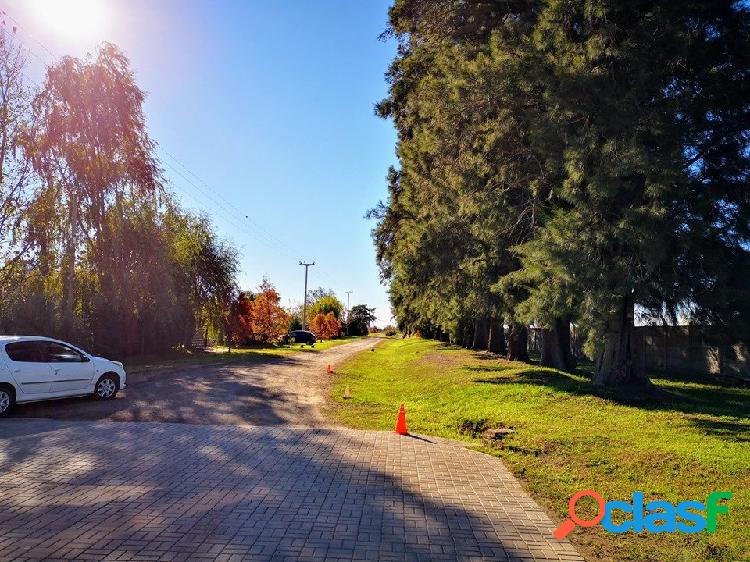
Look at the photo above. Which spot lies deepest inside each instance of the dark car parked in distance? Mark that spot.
(299, 336)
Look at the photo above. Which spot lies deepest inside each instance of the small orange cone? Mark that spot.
(329, 370)
(401, 422)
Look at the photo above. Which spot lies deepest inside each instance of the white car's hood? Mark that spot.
(104, 361)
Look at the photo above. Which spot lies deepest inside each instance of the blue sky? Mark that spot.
(261, 110)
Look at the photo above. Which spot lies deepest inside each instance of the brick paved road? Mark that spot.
(147, 491)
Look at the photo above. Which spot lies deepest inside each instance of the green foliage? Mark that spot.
(359, 319)
(468, 189)
(97, 251)
(325, 304)
(315, 294)
(567, 160)
(15, 177)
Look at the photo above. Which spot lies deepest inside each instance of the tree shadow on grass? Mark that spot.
(444, 346)
(499, 368)
(710, 400)
(132, 489)
(730, 431)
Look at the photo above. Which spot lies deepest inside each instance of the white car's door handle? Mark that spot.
(57, 371)
(17, 371)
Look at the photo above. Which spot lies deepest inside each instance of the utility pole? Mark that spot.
(348, 293)
(304, 307)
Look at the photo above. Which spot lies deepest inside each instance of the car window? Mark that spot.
(26, 351)
(59, 353)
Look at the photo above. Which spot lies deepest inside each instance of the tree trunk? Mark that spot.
(621, 360)
(556, 351)
(479, 341)
(70, 265)
(468, 336)
(496, 343)
(518, 341)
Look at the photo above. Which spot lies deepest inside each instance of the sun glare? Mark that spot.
(72, 17)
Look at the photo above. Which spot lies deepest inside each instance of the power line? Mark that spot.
(267, 237)
(269, 241)
(261, 235)
(253, 228)
(256, 234)
(257, 225)
(18, 26)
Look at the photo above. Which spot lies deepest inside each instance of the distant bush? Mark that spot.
(325, 326)
(390, 330)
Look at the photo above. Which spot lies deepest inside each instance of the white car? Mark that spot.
(35, 368)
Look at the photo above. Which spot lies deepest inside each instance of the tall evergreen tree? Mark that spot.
(462, 114)
(568, 160)
(647, 103)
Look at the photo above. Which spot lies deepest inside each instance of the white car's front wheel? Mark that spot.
(6, 399)
(106, 387)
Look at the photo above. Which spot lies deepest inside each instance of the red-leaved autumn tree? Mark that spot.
(325, 326)
(240, 319)
(258, 318)
(269, 320)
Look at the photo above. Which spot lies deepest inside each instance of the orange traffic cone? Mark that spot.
(401, 422)
(329, 370)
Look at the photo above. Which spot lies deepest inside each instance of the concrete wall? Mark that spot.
(683, 349)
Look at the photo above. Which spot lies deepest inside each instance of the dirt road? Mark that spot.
(281, 390)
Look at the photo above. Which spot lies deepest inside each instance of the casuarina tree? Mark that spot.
(568, 161)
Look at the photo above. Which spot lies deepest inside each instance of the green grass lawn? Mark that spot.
(222, 355)
(680, 443)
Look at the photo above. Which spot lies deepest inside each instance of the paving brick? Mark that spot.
(161, 491)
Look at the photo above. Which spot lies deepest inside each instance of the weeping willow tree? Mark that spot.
(94, 248)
